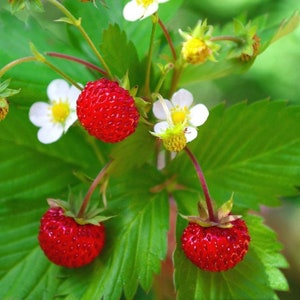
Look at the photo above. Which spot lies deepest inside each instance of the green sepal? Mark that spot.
(5, 91)
(225, 208)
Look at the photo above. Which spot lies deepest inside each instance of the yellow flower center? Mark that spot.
(144, 3)
(60, 111)
(195, 51)
(179, 115)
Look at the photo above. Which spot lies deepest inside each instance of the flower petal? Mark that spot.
(72, 96)
(198, 115)
(159, 111)
(70, 120)
(190, 133)
(133, 12)
(161, 127)
(150, 10)
(58, 89)
(50, 133)
(162, 1)
(39, 113)
(182, 98)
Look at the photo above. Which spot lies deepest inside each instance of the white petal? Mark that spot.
(182, 98)
(150, 10)
(58, 89)
(161, 127)
(162, 1)
(51, 133)
(159, 111)
(72, 96)
(132, 11)
(190, 133)
(39, 113)
(198, 115)
(70, 120)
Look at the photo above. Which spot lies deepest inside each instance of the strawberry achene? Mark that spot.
(67, 243)
(213, 248)
(107, 111)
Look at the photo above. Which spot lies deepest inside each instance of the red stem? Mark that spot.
(203, 184)
(169, 40)
(78, 60)
(91, 189)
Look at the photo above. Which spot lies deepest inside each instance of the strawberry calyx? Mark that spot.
(222, 216)
(91, 216)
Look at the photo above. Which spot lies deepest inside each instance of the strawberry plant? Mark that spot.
(113, 112)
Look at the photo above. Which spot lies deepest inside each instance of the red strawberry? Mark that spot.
(107, 111)
(214, 248)
(67, 243)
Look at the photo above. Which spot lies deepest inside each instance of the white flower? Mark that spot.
(179, 111)
(56, 117)
(140, 9)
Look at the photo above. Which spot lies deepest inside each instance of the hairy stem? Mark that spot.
(15, 63)
(78, 60)
(168, 38)
(228, 38)
(150, 53)
(92, 188)
(203, 184)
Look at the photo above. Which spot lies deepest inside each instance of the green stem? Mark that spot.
(92, 188)
(15, 63)
(203, 184)
(61, 73)
(168, 38)
(228, 38)
(77, 23)
(175, 79)
(78, 60)
(150, 53)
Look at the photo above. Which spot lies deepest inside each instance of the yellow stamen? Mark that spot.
(179, 115)
(195, 51)
(144, 3)
(60, 111)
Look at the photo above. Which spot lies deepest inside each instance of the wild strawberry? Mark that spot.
(213, 248)
(67, 243)
(107, 111)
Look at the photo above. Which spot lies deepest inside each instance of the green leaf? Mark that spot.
(254, 278)
(136, 241)
(287, 26)
(120, 54)
(249, 150)
(24, 273)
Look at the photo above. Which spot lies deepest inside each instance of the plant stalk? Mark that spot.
(78, 60)
(203, 183)
(15, 63)
(92, 188)
(150, 54)
(168, 38)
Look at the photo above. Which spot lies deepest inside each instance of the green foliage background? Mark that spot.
(251, 148)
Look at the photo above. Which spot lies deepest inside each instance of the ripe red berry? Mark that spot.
(107, 111)
(213, 248)
(67, 243)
